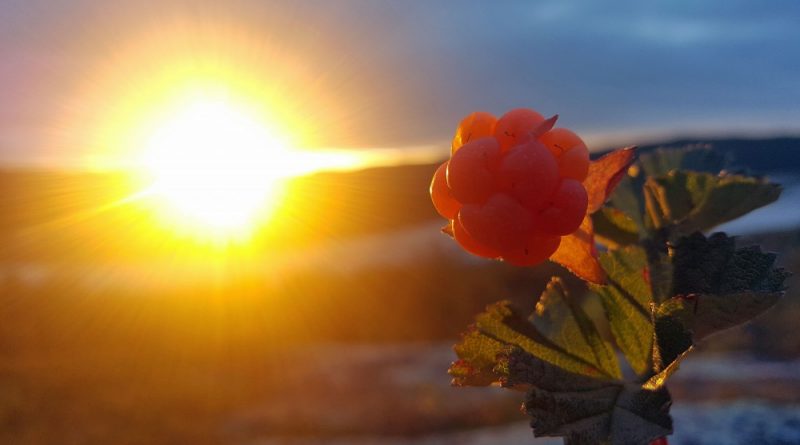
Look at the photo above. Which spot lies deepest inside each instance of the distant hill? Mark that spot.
(76, 216)
(759, 156)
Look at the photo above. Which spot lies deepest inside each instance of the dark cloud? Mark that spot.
(403, 73)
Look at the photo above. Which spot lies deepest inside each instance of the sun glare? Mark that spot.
(216, 167)
(210, 122)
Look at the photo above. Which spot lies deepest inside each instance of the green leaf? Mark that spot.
(494, 332)
(672, 341)
(713, 265)
(626, 300)
(715, 287)
(563, 321)
(706, 314)
(628, 197)
(570, 374)
(722, 199)
(640, 416)
(614, 228)
(477, 360)
(627, 268)
(666, 204)
(699, 159)
(585, 410)
(700, 201)
(503, 323)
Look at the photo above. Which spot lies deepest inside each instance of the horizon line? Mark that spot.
(376, 157)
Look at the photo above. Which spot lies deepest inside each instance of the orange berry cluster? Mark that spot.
(513, 186)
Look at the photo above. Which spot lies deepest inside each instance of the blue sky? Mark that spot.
(403, 73)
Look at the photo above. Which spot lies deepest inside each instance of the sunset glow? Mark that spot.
(216, 166)
(211, 123)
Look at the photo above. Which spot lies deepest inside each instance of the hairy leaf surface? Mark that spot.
(626, 300)
(564, 322)
(715, 286)
(694, 201)
(496, 330)
(587, 410)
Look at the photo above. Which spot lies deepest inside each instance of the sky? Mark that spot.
(400, 75)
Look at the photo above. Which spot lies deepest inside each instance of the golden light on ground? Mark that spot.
(215, 167)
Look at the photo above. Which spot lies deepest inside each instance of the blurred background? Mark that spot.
(215, 226)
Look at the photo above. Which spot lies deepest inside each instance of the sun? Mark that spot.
(216, 166)
(213, 128)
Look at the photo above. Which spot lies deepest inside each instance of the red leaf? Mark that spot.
(578, 253)
(604, 175)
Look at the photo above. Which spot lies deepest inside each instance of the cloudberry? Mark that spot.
(513, 186)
